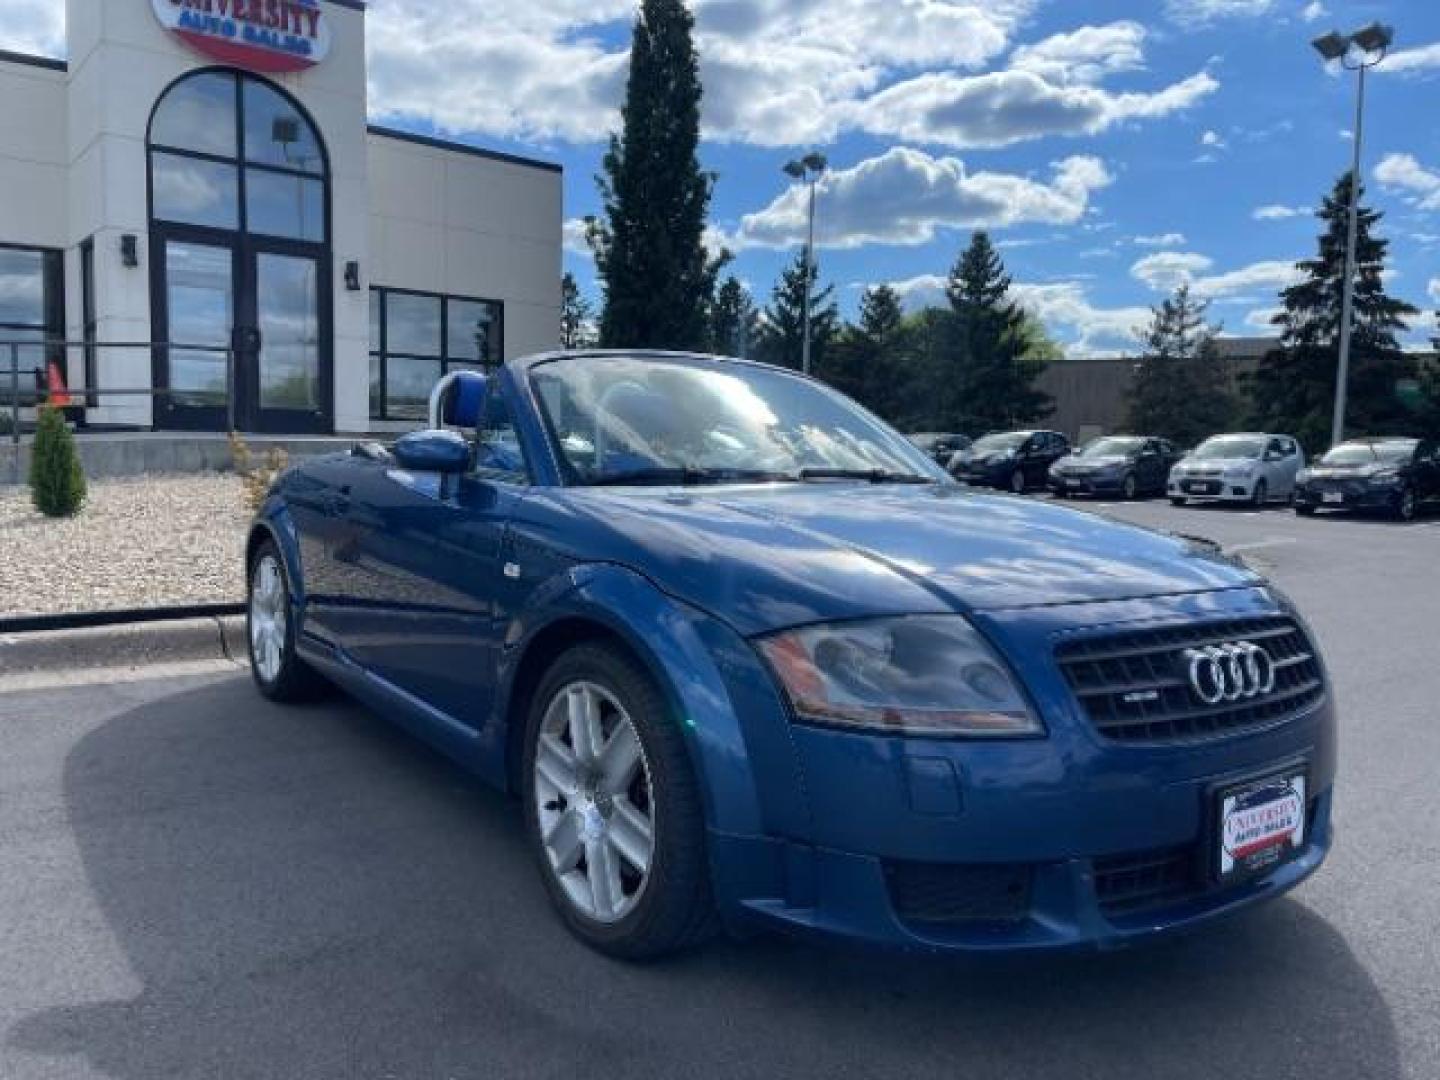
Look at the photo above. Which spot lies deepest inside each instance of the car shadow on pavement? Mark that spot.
(306, 893)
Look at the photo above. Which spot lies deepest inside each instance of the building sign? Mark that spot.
(258, 35)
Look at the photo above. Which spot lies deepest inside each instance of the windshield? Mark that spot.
(1229, 446)
(1113, 447)
(995, 444)
(618, 419)
(1369, 453)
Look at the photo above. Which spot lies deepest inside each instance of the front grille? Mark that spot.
(959, 892)
(1145, 880)
(1134, 686)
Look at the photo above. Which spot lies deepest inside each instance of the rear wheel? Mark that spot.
(1129, 488)
(270, 632)
(1017, 481)
(613, 809)
(1405, 505)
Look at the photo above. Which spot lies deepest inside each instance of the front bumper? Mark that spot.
(1211, 489)
(1088, 484)
(1351, 495)
(1052, 820)
(991, 476)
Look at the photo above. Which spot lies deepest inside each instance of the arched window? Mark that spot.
(230, 151)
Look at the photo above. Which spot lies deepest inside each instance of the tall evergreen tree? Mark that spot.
(989, 373)
(1294, 388)
(733, 319)
(874, 360)
(576, 314)
(1182, 389)
(657, 276)
(781, 332)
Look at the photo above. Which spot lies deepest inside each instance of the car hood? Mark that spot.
(765, 557)
(1218, 463)
(1369, 468)
(1106, 462)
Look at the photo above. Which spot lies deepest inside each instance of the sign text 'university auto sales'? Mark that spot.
(260, 35)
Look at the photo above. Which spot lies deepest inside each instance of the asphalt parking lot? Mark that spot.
(195, 883)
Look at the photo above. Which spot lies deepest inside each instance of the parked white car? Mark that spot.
(1249, 467)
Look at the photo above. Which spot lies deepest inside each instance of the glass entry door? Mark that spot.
(248, 320)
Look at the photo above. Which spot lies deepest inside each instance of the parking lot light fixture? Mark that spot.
(1356, 52)
(808, 170)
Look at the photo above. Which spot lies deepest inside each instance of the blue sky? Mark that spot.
(1112, 148)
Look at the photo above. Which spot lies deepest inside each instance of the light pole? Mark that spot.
(808, 170)
(1356, 52)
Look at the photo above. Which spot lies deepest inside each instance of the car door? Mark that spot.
(1150, 467)
(1427, 468)
(435, 593)
(1288, 467)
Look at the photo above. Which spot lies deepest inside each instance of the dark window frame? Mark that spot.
(379, 351)
(52, 309)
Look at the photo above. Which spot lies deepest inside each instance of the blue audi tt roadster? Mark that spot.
(748, 658)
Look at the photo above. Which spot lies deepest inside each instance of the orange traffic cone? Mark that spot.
(59, 396)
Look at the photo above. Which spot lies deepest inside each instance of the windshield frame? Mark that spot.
(915, 459)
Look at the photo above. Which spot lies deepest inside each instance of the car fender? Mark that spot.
(275, 523)
(729, 712)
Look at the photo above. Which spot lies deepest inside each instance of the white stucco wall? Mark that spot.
(469, 225)
(33, 155)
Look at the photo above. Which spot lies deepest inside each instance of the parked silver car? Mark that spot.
(1248, 467)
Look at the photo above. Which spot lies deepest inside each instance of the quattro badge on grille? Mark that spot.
(1230, 672)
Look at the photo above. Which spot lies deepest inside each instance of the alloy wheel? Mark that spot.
(269, 617)
(1128, 489)
(1017, 482)
(1406, 507)
(594, 801)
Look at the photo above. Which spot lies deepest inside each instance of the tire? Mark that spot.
(1304, 511)
(640, 911)
(1017, 482)
(1404, 509)
(1176, 502)
(1129, 488)
(278, 671)
(1259, 495)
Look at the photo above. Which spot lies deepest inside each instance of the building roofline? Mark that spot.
(50, 62)
(353, 5)
(463, 148)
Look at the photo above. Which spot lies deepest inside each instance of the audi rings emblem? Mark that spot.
(1230, 672)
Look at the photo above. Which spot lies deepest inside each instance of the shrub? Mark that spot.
(57, 483)
(256, 478)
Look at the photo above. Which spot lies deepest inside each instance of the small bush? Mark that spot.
(257, 478)
(57, 483)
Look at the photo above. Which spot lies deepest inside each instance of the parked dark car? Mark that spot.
(1010, 460)
(747, 657)
(1394, 476)
(939, 446)
(1125, 465)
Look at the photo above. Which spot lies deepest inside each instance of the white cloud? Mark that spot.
(1005, 107)
(1203, 11)
(1404, 174)
(572, 237)
(1278, 212)
(1314, 10)
(1165, 270)
(1261, 319)
(1159, 240)
(1432, 290)
(33, 26)
(905, 196)
(1085, 55)
(1212, 138)
(1404, 61)
(775, 72)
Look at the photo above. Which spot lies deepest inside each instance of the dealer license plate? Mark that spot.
(1201, 487)
(1261, 825)
(1332, 496)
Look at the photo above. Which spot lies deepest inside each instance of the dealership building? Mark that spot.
(196, 193)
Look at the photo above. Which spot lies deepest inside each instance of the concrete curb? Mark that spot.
(35, 655)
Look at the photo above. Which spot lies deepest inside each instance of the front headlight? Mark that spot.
(1384, 477)
(1303, 476)
(918, 675)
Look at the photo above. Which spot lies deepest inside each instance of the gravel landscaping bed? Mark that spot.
(147, 541)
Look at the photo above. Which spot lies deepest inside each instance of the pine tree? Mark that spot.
(1182, 387)
(1294, 389)
(733, 319)
(656, 274)
(874, 361)
(576, 314)
(781, 333)
(1429, 380)
(987, 371)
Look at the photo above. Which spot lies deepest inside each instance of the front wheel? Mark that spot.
(1017, 482)
(270, 632)
(613, 810)
(1303, 510)
(1405, 505)
(1129, 488)
(1174, 501)
(1260, 495)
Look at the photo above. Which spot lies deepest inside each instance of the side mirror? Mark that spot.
(434, 451)
(458, 400)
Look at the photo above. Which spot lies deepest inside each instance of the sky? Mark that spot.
(1113, 148)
